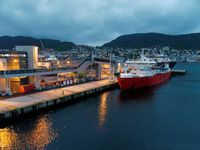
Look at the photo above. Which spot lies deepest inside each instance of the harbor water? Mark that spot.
(165, 117)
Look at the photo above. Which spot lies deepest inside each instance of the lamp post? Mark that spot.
(91, 66)
(111, 69)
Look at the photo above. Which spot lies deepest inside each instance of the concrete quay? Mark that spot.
(176, 72)
(16, 106)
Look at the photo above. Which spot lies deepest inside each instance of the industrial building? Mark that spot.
(21, 72)
(22, 58)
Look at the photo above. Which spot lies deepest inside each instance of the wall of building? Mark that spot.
(32, 54)
(3, 64)
(13, 63)
(13, 60)
(14, 84)
(44, 64)
(3, 84)
(23, 62)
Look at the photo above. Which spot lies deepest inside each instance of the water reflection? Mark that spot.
(42, 134)
(8, 139)
(137, 95)
(103, 109)
(37, 138)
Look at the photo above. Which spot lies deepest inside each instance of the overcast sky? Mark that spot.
(97, 21)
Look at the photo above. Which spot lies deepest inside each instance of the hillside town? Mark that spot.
(121, 54)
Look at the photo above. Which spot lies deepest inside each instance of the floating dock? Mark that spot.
(176, 72)
(16, 106)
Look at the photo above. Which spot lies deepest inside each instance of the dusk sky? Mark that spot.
(95, 22)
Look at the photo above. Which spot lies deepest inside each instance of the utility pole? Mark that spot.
(42, 44)
(91, 69)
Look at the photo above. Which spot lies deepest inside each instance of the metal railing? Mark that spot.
(42, 70)
(87, 59)
(107, 60)
(27, 71)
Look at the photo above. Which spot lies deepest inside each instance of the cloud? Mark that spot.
(96, 21)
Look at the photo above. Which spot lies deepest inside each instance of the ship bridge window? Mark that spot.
(129, 69)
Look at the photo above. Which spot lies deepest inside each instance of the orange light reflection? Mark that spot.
(42, 135)
(103, 109)
(37, 138)
(8, 139)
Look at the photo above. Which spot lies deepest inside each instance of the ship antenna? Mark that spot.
(142, 55)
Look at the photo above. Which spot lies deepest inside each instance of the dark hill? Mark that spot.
(8, 42)
(146, 40)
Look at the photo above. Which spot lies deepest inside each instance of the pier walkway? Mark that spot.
(15, 106)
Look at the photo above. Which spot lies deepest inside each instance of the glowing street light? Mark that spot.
(68, 62)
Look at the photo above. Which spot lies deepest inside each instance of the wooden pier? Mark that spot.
(16, 106)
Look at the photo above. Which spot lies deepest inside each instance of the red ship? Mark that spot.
(143, 73)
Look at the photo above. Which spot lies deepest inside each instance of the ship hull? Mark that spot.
(142, 82)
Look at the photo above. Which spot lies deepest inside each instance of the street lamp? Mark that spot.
(111, 68)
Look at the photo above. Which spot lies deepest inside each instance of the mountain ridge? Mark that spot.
(149, 40)
(9, 42)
